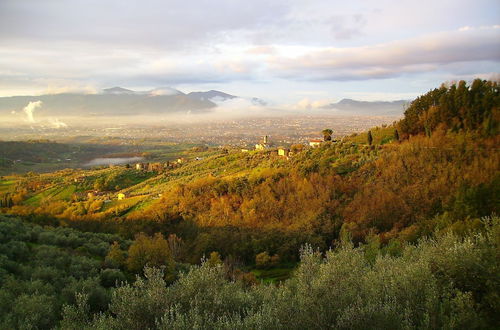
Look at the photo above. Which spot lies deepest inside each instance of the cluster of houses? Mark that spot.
(105, 196)
(159, 167)
(282, 151)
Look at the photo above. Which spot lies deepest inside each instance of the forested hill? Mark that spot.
(457, 107)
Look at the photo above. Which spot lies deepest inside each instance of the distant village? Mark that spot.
(264, 144)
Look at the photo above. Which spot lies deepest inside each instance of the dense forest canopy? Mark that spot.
(455, 106)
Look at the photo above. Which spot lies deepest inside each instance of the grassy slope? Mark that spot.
(380, 135)
(141, 188)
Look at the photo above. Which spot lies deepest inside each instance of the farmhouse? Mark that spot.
(95, 193)
(155, 167)
(283, 151)
(315, 143)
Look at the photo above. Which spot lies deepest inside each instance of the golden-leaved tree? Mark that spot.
(150, 251)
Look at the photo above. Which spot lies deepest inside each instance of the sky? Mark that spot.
(285, 52)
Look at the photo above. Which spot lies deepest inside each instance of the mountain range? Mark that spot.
(381, 108)
(119, 101)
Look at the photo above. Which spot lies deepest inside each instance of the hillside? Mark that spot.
(47, 156)
(42, 156)
(407, 210)
(113, 103)
(402, 190)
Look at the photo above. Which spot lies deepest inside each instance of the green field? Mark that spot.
(381, 135)
(7, 185)
(273, 275)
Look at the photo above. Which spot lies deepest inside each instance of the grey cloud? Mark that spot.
(347, 27)
(160, 24)
(422, 54)
(175, 25)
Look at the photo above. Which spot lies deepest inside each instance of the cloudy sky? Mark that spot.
(282, 51)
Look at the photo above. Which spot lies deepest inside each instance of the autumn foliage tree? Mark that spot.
(116, 256)
(149, 251)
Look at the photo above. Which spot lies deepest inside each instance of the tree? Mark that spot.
(176, 245)
(214, 259)
(296, 148)
(370, 138)
(116, 256)
(327, 134)
(151, 251)
(111, 277)
(396, 135)
(264, 260)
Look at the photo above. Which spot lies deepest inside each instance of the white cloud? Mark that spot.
(56, 123)
(30, 109)
(163, 91)
(309, 104)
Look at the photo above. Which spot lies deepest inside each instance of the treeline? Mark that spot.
(455, 107)
(446, 282)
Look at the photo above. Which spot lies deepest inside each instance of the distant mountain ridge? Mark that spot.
(210, 95)
(118, 101)
(351, 106)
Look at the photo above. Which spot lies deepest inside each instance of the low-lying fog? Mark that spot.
(113, 161)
